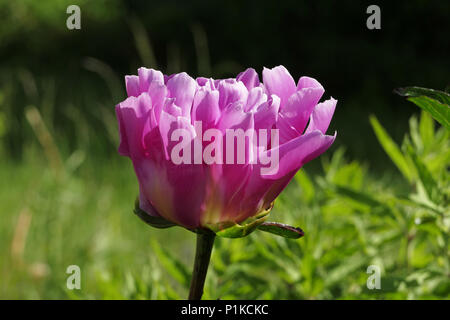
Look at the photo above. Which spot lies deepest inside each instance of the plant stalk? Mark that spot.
(205, 242)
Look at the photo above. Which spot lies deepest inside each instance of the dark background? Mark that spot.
(327, 40)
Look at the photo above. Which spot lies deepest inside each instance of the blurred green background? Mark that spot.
(66, 196)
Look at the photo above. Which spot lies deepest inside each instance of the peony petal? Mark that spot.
(300, 106)
(171, 108)
(278, 81)
(206, 82)
(231, 91)
(249, 77)
(134, 116)
(132, 85)
(168, 124)
(176, 192)
(234, 117)
(295, 153)
(286, 130)
(147, 76)
(124, 149)
(256, 96)
(234, 176)
(182, 87)
(307, 82)
(206, 107)
(201, 81)
(158, 93)
(235, 124)
(266, 114)
(145, 205)
(189, 190)
(321, 116)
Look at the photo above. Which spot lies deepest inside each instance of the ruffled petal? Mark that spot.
(158, 93)
(147, 76)
(234, 117)
(132, 86)
(300, 106)
(231, 91)
(321, 116)
(266, 114)
(256, 97)
(308, 82)
(182, 87)
(206, 107)
(285, 129)
(135, 121)
(249, 77)
(168, 124)
(278, 81)
(295, 153)
(206, 82)
(171, 108)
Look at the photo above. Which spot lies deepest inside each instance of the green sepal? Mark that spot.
(239, 230)
(228, 229)
(281, 229)
(156, 222)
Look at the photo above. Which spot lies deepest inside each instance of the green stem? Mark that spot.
(205, 242)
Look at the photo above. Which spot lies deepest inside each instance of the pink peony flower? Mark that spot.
(174, 129)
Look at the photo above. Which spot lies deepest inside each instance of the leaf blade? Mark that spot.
(391, 148)
(435, 102)
(281, 229)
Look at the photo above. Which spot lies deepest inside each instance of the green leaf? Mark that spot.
(440, 112)
(440, 96)
(433, 101)
(425, 176)
(156, 222)
(415, 134)
(391, 148)
(281, 229)
(426, 128)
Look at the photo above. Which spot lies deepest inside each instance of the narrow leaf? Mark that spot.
(425, 176)
(439, 111)
(436, 102)
(426, 128)
(281, 229)
(391, 148)
(440, 96)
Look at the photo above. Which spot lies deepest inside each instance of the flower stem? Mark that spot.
(205, 242)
